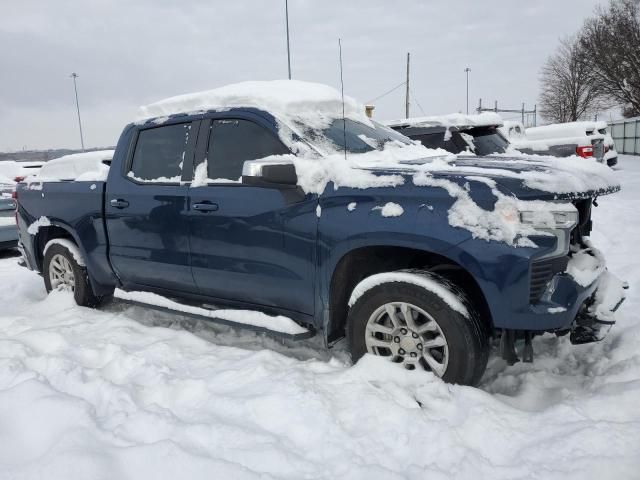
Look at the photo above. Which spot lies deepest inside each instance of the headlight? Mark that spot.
(559, 221)
(565, 217)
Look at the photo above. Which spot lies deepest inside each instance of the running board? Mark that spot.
(248, 319)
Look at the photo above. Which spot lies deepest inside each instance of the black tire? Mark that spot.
(82, 292)
(467, 338)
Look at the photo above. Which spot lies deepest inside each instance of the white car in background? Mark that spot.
(512, 130)
(12, 171)
(588, 139)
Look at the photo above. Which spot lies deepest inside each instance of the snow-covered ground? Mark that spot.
(124, 392)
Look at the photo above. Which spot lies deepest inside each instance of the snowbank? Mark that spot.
(87, 166)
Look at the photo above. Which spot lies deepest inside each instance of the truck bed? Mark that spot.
(74, 206)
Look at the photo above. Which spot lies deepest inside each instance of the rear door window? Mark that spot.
(234, 141)
(159, 154)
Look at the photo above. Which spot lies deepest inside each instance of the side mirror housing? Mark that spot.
(276, 173)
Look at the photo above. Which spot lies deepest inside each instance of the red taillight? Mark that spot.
(19, 179)
(584, 152)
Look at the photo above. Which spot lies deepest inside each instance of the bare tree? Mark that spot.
(611, 42)
(568, 88)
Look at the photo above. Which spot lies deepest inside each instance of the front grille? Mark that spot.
(542, 271)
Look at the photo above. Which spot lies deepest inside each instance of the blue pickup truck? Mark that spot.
(421, 261)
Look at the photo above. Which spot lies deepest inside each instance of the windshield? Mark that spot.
(360, 138)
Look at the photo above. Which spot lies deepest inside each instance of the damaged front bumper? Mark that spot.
(597, 314)
(580, 301)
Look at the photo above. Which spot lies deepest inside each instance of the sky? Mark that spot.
(129, 53)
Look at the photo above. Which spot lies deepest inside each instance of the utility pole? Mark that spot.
(467, 70)
(406, 110)
(74, 75)
(286, 11)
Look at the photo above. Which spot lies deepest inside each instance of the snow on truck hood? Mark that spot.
(541, 177)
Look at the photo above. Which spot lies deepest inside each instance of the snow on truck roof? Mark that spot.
(312, 103)
(485, 119)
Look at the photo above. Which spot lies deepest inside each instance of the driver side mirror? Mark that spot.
(269, 172)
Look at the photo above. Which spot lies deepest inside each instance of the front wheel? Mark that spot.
(62, 271)
(413, 326)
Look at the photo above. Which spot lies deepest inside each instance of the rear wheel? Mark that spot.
(416, 328)
(62, 271)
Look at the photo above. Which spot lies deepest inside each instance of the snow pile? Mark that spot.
(125, 392)
(87, 166)
(254, 318)
(485, 119)
(611, 292)
(586, 265)
(291, 101)
(390, 209)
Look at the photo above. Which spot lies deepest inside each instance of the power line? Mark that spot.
(418, 103)
(388, 92)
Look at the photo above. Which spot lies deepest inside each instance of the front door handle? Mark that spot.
(119, 203)
(205, 207)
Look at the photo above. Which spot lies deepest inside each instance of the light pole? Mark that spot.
(467, 70)
(286, 11)
(74, 75)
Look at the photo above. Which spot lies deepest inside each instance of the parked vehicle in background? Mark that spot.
(8, 228)
(456, 133)
(279, 199)
(513, 130)
(12, 171)
(76, 166)
(588, 139)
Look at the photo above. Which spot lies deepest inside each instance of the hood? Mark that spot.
(526, 177)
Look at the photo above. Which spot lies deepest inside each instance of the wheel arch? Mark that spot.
(363, 261)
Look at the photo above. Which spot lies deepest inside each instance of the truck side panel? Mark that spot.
(77, 208)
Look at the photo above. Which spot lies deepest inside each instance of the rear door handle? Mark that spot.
(119, 203)
(205, 207)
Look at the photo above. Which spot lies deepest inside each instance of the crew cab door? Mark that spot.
(147, 211)
(252, 245)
